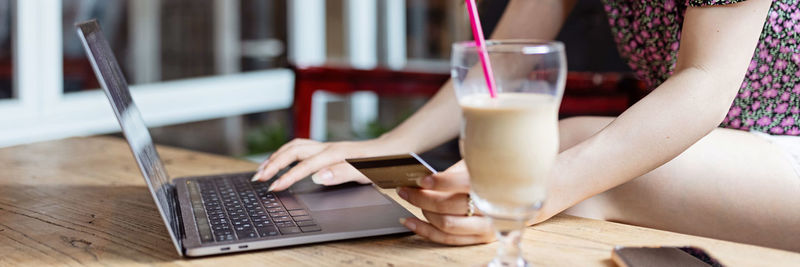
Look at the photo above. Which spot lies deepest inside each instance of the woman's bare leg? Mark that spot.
(730, 185)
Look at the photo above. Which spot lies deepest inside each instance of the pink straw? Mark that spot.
(480, 43)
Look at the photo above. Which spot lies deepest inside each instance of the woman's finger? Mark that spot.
(430, 232)
(454, 179)
(337, 174)
(305, 168)
(288, 156)
(436, 201)
(261, 166)
(294, 142)
(459, 225)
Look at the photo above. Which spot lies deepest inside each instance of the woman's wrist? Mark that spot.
(394, 143)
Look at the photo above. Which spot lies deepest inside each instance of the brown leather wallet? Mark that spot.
(662, 256)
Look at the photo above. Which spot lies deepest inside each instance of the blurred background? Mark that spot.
(241, 77)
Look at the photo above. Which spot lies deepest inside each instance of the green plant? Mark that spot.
(267, 138)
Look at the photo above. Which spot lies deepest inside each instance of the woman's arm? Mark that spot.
(433, 124)
(522, 19)
(716, 47)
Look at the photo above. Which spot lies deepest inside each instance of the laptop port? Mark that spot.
(242, 246)
(225, 249)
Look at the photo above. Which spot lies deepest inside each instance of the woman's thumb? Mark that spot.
(337, 174)
(454, 179)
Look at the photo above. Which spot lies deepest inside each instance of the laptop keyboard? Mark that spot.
(236, 209)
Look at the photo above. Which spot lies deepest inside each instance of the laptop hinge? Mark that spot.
(177, 221)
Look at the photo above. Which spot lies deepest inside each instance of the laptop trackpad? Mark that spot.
(342, 198)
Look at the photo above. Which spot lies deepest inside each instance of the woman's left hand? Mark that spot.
(444, 200)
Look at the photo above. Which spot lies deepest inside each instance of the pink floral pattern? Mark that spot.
(648, 35)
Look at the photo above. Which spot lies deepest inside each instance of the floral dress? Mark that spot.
(648, 36)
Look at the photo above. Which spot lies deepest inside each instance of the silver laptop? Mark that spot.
(227, 213)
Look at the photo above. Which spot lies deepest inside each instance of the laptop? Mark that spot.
(227, 213)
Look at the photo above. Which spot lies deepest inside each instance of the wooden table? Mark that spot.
(82, 201)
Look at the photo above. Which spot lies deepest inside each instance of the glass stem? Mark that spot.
(509, 235)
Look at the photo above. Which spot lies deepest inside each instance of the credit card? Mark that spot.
(393, 171)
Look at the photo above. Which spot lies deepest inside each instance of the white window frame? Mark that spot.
(41, 111)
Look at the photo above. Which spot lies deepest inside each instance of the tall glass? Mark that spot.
(510, 142)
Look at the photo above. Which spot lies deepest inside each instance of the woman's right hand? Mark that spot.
(323, 161)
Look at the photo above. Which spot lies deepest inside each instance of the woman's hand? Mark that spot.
(444, 201)
(324, 160)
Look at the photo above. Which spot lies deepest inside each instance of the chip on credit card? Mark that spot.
(404, 170)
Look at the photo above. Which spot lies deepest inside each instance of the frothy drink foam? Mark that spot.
(509, 144)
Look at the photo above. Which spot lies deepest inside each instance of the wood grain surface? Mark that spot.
(82, 201)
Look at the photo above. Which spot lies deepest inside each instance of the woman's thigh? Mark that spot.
(730, 185)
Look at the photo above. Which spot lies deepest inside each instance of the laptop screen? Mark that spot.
(111, 79)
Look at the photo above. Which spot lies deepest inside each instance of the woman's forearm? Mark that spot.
(715, 50)
(433, 124)
(439, 120)
(652, 132)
